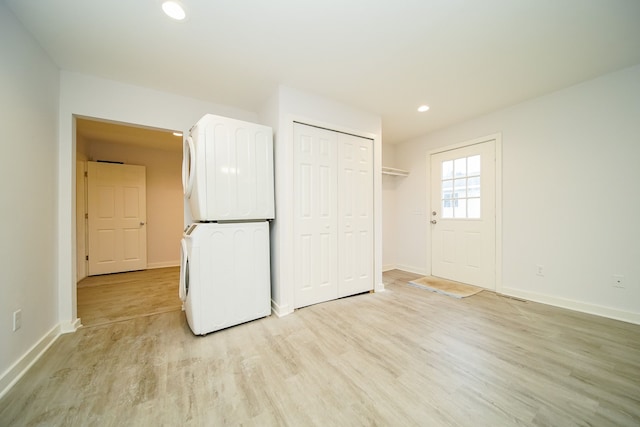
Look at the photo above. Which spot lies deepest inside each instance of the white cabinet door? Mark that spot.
(117, 215)
(333, 215)
(355, 208)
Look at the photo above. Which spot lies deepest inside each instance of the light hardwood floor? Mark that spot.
(123, 296)
(401, 357)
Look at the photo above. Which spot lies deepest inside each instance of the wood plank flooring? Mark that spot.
(401, 357)
(123, 296)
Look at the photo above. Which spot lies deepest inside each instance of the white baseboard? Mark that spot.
(412, 269)
(69, 327)
(22, 365)
(598, 310)
(164, 264)
(388, 267)
(280, 311)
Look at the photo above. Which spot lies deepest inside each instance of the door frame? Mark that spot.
(497, 137)
(283, 294)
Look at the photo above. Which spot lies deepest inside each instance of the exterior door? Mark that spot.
(463, 221)
(116, 218)
(355, 207)
(315, 215)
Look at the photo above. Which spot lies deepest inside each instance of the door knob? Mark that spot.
(141, 223)
(433, 221)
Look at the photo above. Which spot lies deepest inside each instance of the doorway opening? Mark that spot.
(159, 153)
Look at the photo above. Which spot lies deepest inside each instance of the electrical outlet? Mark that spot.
(617, 281)
(539, 270)
(17, 320)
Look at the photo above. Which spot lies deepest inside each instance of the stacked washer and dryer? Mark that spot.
(227, 175)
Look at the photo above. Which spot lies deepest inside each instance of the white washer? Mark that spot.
(227, 170)
(225, 274)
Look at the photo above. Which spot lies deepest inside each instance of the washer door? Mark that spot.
(183, 289)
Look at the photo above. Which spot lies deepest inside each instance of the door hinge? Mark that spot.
(86, 174)
(86, 216)
(86, 257)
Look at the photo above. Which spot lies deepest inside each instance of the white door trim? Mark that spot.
(498, 195)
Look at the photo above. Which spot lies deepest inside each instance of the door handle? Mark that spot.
(141, 223)
(433, 221)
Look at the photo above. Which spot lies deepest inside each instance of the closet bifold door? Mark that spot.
(315, 182)
(355, 215)
(333, 215)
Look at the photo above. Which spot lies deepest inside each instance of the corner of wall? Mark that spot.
(280, 311)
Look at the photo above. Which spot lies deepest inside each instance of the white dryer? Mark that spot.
(227, 170)
(225, 274)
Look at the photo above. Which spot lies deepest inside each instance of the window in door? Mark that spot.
(460, 186)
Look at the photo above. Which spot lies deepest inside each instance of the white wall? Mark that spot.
(88, 96)
(279, 112)
(28, 176)
(389, 184)
(570, 202)
(165, 219)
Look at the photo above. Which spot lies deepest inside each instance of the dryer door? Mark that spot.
(188, 165)
(183, 289)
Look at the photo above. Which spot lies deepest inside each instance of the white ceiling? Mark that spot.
(462, 57)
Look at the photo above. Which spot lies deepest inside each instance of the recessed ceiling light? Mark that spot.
(174, 10)
(177, 133)
(423, 108)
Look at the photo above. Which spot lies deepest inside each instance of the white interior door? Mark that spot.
(355, 211)
(463, 220)
(315, 215)
(116, 218)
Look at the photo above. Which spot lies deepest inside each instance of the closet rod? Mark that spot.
(333, 130)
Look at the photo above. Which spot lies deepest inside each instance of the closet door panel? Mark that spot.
(315, 215)
(355, 213)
